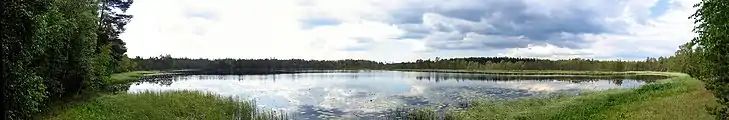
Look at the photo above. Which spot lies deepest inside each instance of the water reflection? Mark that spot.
(367, 94)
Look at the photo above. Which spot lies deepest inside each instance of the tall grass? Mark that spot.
(171, 105)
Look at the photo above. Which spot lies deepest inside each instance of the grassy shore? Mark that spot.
(127, 77)
(173, 105)
(679, 97)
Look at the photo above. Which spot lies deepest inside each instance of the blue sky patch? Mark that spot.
(316, 22)
(660, 8)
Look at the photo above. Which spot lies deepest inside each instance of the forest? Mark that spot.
(166, 62)
(54, 50)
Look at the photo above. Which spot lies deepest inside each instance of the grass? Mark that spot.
(110, 105)
(127, 77)
(114, 85)
(680, 97)
(174, 105)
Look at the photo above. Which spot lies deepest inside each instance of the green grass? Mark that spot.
(680, 97)
(110, 105)
(116, 82)
(122, 78)
(173, 105)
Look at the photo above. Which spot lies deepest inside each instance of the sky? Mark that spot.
(406, 30)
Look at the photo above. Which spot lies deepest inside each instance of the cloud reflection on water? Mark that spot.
(359, 93)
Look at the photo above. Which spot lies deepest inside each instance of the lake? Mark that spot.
(372, 94)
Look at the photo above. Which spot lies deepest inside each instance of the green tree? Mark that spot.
(127, 64)
(23, 91)
(712, 18)
(47, 52)
(112, 22)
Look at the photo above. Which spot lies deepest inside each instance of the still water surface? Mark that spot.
(364, 94)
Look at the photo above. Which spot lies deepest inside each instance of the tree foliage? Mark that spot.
(712, 44)
(166, 62)
(113, 20)
(505, 63)
(50, 52)
(23, 91)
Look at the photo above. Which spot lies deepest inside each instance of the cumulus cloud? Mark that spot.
(403, 30)
(548, 51)
(659, 36)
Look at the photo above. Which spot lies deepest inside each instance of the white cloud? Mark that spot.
(548, 51)
(656, 37)
(264, 29)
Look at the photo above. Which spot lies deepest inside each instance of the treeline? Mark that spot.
(493, 59)
(166, 62)
(505, 63)
(55, 49)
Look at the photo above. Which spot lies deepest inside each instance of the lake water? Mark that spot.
(369, 94)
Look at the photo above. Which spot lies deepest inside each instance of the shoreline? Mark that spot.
(679, 96)
(679, 92)
(547, 72)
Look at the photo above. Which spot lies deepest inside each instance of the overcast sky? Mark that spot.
(404, 30)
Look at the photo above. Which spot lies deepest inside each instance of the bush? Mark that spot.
(24, 94)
